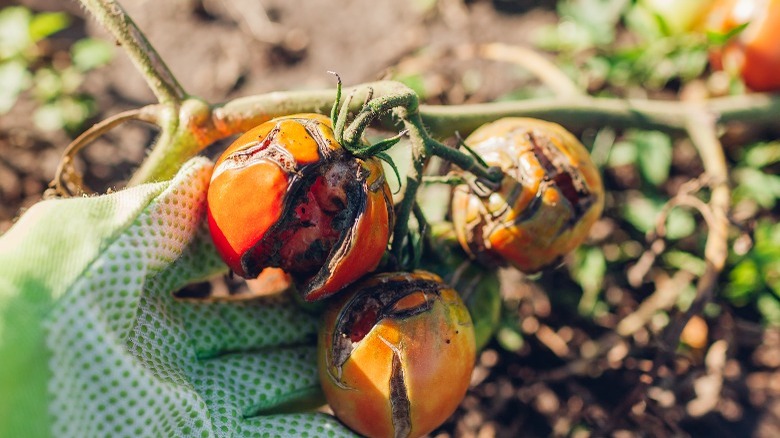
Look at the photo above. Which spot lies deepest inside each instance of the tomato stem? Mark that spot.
(146, 59)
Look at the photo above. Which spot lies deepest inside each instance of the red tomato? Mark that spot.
(754, 53)
(286, 194)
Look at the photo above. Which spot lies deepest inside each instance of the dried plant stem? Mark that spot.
(701, 126)
(67, 181)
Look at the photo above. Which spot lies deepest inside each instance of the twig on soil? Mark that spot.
(701, 126)
(684, 198)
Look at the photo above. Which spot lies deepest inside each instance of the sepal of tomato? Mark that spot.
(550, 196)
(396, 352)
(286, 194)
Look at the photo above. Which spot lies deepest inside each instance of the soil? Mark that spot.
(549, 384)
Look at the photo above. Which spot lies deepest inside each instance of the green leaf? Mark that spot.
(763, 154)
(14, 78)
(622, 153)
(589, 271)
(387, 159)
(49, 117)
(643, 212)
(744, 281)
(721, 38)
(90, 53)
(680, 224)
(685, 261)
(655, 155)
(757, 185)
(48, 84)
(769, 307)
(47, 23)
(14, 31)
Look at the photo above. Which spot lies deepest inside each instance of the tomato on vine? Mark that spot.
(396, 352)
(286, 194)
(550, 197)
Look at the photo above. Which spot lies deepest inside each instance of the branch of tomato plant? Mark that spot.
(158, 76)
(578, 113)
(67, 182)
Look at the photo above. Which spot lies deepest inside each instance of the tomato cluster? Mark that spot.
(397, 349)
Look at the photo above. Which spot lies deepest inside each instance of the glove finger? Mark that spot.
(245, 392)
(300, 425)
(259, 382)
(264, 323)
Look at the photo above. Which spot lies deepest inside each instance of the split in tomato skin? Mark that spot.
(550, 196)
(396, 352)
(286, 194)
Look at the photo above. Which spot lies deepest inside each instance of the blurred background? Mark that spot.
(560, 364)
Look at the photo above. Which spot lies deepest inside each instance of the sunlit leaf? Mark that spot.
(47, 23)
(14, 78)
(763, 154)
(14, 31)
(721, 38)
(622, 153)
(642, 213)
(589, 271)
(685, 261)
(90, 53)
(757, 185)
(769, 307)
(654, 155)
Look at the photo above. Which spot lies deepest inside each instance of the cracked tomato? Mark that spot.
(286, 194)
(396, 353)
(549, 198)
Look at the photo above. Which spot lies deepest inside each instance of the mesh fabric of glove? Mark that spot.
(92, 343)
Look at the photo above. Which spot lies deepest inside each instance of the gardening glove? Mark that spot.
(92, 342)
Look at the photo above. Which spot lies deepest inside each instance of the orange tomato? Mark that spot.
(754, 53)
(396, 353)
(550, 197)
(286, 194)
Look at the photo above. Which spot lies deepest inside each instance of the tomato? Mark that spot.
(754, 53)
(478, 286)
(395, 355)
(286, 194)
(549, 198)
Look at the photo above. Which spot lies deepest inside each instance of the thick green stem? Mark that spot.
(160, 79)
(588, 112)
(413, 180)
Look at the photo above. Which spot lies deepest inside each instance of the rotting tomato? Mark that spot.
(286, 194)
(396, 353)
(550, 197)
(754, 53)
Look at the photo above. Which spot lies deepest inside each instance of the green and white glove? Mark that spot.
(92, 342)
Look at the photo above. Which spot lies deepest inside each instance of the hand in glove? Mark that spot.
(92, 342)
